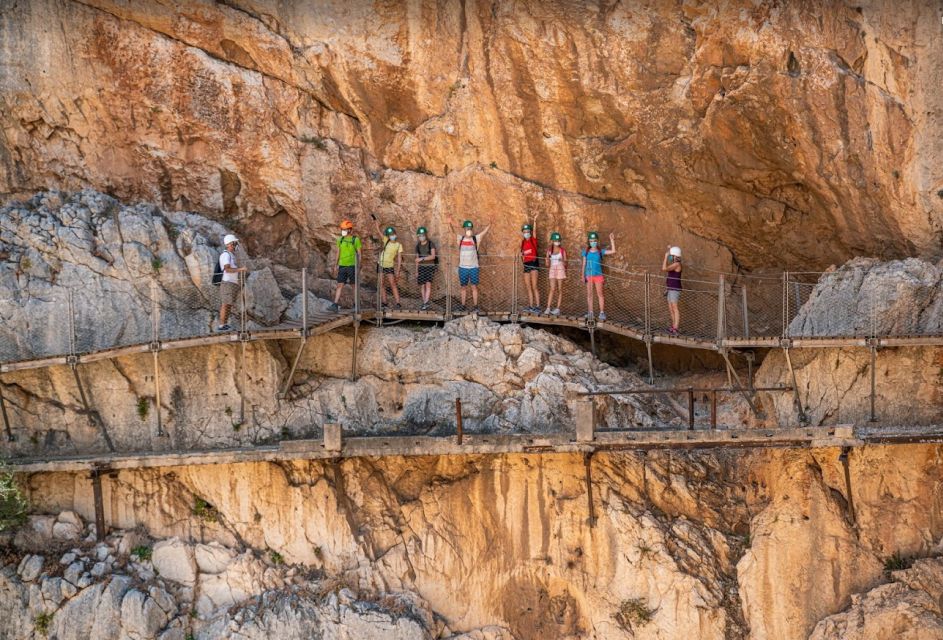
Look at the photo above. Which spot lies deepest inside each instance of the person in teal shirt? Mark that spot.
(592, 271)
(348, 255)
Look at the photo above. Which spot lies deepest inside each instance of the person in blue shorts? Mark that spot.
(468, 266)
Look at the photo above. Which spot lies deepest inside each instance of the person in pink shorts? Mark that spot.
(556, 258)
(592, 271)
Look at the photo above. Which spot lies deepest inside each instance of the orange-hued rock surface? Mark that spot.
(764, 134)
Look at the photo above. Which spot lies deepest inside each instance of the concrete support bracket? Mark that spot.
(333, 438)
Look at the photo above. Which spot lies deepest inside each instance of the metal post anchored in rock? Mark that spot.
(458, 420)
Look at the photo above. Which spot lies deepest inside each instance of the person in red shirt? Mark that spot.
(530, 258)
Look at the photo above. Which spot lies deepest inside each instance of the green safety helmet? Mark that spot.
(526, 227)
(555, 237)
(389, 231)
(593, 236)
(467, 224)
(421, 231)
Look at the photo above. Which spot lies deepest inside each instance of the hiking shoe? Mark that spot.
(547, 312)
(589, 316)
(476, 311)
(424, 306)
(224, 327)
(334, 307)
(555, 312)
(602, 315)
(672, 331)
(398, 306)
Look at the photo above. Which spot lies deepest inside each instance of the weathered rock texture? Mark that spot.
(126, 588)
(909, 608)
(764, 133)
(863, 298)
(712, 545)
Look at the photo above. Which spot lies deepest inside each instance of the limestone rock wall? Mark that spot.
(711, 545)
(763, 134)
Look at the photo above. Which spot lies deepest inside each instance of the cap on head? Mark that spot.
(230, 239)
(526, 227)
(389, 231)
(592, 235)
(467, 224)
(555, 237)
(347, 224)
(675, 251)
(421, 231)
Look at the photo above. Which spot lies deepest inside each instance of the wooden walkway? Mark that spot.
(387, 446)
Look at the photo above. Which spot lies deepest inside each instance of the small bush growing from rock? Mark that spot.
(156, 263)
(144, 408)
(143, 552)
(632, 612)
(13, 503)
(204, 510)
(897, 563)
(276, 558)
(42, 623)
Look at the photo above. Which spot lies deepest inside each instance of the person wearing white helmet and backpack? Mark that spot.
(672, 266)
(228, 273)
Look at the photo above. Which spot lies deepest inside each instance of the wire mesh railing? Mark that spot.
(62, 320)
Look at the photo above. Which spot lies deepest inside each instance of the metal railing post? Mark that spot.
(514, 293)
(357, 285)
(785, 333)
(448, 285)
(458, 420)
(244, 315)
(746, 313)
(648, 303)
(155, 350)
(304, 300)
(721, 311)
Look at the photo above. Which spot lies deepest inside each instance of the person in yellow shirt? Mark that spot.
(391, 263)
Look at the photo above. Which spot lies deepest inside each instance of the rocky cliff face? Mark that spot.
(707, 545)
(764, 134)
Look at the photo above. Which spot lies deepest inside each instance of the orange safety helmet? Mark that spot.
(347, 224)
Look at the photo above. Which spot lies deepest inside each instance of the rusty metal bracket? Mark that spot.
(95, 476)
(588, 464)
(843, 457)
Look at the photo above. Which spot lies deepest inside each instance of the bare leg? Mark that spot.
(602, 298)
(463, 295)
(474, 289)
(675, 314)
(532, 284)
(553, 286)
(589, 297)
(223, 313)
(337, 292)
(391, 278)
(559, 294)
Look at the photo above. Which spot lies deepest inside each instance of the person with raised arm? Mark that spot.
(592, 271)
(348, 255)
(468, 265)
(390, 262)
(531, 261)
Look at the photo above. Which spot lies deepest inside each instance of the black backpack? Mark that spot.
(431, 249)
(218, 271)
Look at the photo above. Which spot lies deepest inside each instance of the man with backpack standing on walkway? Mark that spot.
(227, 275)
(468, 266)
(348, 255)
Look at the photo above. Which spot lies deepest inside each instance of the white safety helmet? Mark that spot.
(229, 239)
(675, 251)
